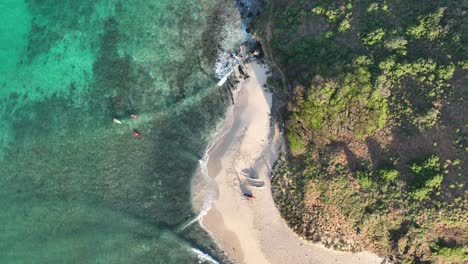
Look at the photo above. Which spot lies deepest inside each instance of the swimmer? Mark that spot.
(136, 134)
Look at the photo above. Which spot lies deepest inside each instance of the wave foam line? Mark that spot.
(202, 256)
(224, 79)
(210, 196)
(211, 184)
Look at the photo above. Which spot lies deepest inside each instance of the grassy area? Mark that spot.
(377, 124)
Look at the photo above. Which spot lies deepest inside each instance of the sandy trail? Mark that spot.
(252, 231)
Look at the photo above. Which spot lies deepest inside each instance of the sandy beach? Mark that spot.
(252, 230)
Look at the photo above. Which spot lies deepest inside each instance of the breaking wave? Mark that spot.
(203, 257)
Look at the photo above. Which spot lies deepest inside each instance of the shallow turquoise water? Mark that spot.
(76, 187)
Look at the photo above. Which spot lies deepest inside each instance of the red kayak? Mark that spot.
(136, 134)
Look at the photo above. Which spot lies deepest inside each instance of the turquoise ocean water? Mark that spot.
(76, 187)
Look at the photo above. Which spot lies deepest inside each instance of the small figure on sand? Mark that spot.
(133, 116)
(136, 134)
(117, 121)
(249, 196)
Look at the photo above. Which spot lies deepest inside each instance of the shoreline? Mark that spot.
(239, 162)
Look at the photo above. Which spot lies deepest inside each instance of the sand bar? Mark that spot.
(252, 231)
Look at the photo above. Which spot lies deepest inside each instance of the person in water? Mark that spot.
(136, 134)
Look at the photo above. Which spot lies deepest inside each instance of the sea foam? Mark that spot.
(203, 257)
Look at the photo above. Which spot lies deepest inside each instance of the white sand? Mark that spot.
(252, 231)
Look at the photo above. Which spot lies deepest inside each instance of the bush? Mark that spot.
(334, 101)
(374, 37)
(389, 174)
(428, 26)
(453, 253)
(427, 177)
(344, 25)
(398, 44)
(364, 179)
(295, 142)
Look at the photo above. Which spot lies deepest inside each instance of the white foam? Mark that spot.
(210, 194)
(211, 186)
(202, 256)
(224, 79)
(225, 65)
(232, 36)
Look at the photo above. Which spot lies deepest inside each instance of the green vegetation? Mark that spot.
(388, 174)
(429, 26)
(376, 124)
(428, 177)
(454, 254)
(374, 37)
(335, 100)
(364, 179)
(295, 143)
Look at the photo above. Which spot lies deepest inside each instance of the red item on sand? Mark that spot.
(138, 135)
(249, 195)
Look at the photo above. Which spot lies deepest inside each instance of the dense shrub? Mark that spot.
(427, 177)
(388, 71)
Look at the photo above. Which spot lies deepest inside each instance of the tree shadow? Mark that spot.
(354, 162)
(376, 153)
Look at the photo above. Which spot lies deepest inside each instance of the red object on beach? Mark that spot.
(138, 135)
(133, 116)
(249, 195)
